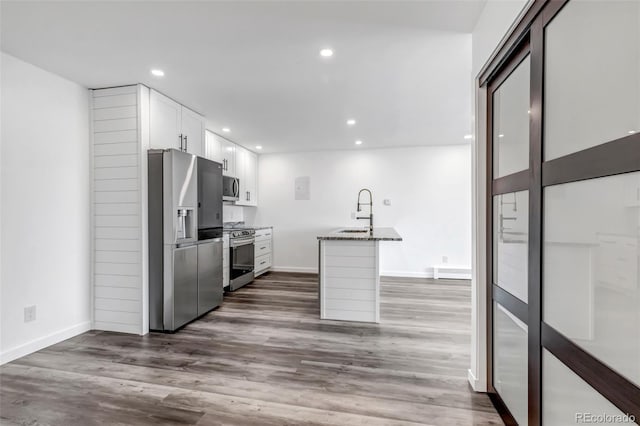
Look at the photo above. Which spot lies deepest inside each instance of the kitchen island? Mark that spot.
(349, 273)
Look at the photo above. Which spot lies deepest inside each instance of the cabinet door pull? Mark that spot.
(180, 136)
(186, 144)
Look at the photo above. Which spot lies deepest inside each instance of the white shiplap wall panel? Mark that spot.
(115, 125)
(112, 244)
(116, 173)
(116, 184)
(131, 221)
(116, 161)
(115, 112)
(117, 233)
(350, 282)
(120, 328)
(125, 318)
(117, 208)
(349, 272)
(111, 101)
(128, 269)
(125, 293)
(349, 261)
(116, 148)
(105, 256)
(118, 305)
(116, 137)
(117, 197)
(116, 281)
(349, 294)
(350, 315)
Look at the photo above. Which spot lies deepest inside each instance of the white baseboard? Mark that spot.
(407, 274)
(301, 269)
(455, 274)
(477, 385)
(42, 342)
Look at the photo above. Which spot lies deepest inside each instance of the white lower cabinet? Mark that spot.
(263, 250)
(225, 260)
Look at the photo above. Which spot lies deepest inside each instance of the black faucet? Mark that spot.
(370, 217)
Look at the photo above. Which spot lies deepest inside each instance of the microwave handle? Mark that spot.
(236, 188)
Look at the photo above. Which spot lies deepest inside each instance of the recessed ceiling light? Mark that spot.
(631, 132)
(358, 142)
(528, 111)
(157, 73)
(226, 129)
(468, 136)
(326, 53)
(501, 135)
(351, 122)
(258, 146)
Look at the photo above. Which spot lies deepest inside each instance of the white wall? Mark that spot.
(494, 22)
(429, 189)
(45, 208)
(492, 25)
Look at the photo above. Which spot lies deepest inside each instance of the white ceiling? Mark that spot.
(401, 69)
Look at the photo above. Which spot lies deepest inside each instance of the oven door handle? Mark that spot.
(241, 243)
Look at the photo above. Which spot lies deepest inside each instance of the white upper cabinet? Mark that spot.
(165, 122)
(192, 132)
(247, 172)
(174, 126)
(228, 149)
(213, 147)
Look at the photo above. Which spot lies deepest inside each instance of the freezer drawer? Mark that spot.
(210, 287)
(185, 287)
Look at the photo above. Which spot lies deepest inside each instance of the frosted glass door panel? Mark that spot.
(592, 75)
(511, 122)
(510, 242)
(510, 361)
(569, 400)
(591, 286)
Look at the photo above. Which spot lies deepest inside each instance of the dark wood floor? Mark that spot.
(264, 358)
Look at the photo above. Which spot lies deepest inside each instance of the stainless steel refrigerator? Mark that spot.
(183, 277)
(210, 285)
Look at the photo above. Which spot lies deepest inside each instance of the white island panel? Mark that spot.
(349, 280)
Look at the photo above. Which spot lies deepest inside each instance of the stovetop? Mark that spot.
(241, 233)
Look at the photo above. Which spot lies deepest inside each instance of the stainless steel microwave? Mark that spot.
(230, 188)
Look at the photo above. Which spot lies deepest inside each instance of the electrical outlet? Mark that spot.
(30, 313)
(386, 202)
(445, 259)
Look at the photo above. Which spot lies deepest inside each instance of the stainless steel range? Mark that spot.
(241, 259)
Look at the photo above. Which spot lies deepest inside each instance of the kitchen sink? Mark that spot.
(353, 231)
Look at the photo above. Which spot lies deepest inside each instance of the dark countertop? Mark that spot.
(379, 234)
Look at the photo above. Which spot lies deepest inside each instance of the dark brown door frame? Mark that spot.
(614, 157)
(517, 181)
